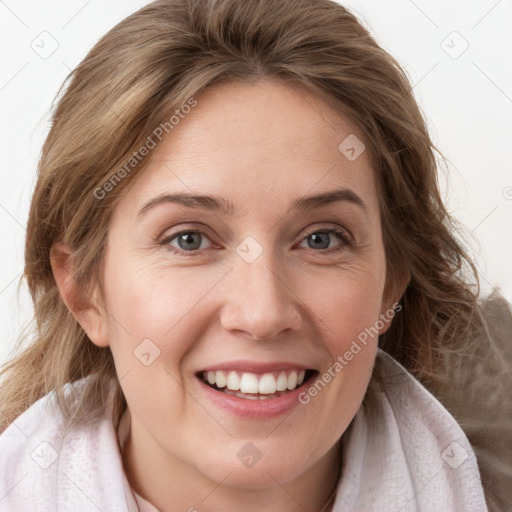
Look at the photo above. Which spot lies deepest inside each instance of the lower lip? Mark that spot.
(245, 407)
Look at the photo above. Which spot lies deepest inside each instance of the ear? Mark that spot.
(82, 304)
(393, 291)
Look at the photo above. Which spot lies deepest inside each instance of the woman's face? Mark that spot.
(250, 288)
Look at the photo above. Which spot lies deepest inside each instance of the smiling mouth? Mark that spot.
(254, 386)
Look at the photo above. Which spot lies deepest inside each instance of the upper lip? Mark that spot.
(255, 367)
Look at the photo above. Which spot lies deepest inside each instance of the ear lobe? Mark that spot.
(82, 304)
(392, 293)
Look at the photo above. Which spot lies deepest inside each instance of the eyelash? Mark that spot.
(342, 234)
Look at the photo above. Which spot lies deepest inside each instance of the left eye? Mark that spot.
(320, 239)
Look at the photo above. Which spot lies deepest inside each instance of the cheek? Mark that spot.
(150, 330)
(146, 301)
(347, 306)
(158, 304)
(345, 309)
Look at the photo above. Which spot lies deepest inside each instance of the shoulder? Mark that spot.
(44, 461)
(404, 451)
(418, 413)
(478, 392)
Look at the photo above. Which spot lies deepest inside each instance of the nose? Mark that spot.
(260, 302)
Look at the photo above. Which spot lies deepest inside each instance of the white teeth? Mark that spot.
(267, 384)
(233, 381)
(220, 379)
(282, 382)
(251, 383)
(292, 380)
(247, 396)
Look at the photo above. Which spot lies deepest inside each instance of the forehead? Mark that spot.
(256, 145)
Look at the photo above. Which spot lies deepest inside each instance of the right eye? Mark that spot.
(187, 241)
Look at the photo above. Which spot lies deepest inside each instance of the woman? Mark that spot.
(276, 363)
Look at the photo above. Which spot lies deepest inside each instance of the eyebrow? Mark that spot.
(220, 205)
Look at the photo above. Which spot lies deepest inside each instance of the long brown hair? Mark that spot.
(144, 70)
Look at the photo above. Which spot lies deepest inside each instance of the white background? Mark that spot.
(467, 101)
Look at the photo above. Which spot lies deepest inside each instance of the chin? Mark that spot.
(256, 468)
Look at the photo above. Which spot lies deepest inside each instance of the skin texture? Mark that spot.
(259, 146)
